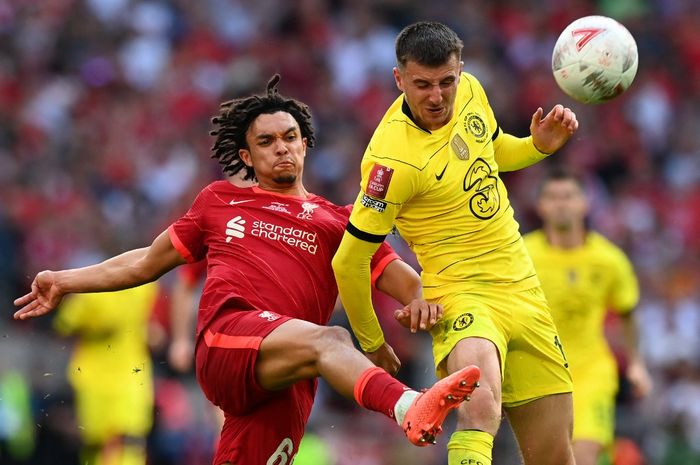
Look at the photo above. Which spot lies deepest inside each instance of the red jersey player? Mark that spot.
(261, 342)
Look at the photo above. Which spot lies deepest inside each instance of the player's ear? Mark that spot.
(246, 157)
(397, 78)
(304, 142)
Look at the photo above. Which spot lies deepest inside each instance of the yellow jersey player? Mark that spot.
(583, 275)
(431, 170)
(110, 372)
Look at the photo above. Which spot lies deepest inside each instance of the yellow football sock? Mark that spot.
(470, 447)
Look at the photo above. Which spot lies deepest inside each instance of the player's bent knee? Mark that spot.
(483, 412)
(331, 336)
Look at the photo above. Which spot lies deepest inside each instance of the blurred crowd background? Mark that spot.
(105, 109)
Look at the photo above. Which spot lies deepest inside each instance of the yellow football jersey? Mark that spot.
(442, 191)
(110, 368)
(581, 284)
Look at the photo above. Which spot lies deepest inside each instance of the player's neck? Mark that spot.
(566, 238)
(295, 189)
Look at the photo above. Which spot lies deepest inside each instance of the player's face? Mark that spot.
(430, 92)
(562, 205)
(276, 149)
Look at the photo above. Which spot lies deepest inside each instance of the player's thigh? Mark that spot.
(594, 412)
(543, 429)
(226, 356)
(291, 352)
(471, 331)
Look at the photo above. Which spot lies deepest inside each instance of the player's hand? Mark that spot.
(44, 297)
(550, 133)
(384, 357)
(180, 355)
(639, 378)
(419, 314)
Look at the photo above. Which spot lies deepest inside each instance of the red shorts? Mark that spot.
(260, 424)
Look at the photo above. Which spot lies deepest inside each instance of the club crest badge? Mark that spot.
(463, 321)
(475, 126)
(307, 210)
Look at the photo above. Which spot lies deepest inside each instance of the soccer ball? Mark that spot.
(595, 59)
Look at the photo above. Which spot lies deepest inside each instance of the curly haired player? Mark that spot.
(269, 291)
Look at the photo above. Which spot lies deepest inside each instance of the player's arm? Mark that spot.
(351, 266)
(515, 153)
(637, 373)
(624, 298)
(400, 281)
(547, 135)
(130, 269)
(387, 185)
(182, 316)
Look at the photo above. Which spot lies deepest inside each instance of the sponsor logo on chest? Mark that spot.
(277, 227)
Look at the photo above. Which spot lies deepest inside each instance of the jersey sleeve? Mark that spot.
(187, 233)
(625, 289)
(381, 258)
(386, 185)
(71, 315)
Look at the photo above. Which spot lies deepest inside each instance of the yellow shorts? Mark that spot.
(104, 412)
(595, 386)
(520, 325)
(594, 416)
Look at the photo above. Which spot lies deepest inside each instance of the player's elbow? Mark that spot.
(341, 266)
(414, 285)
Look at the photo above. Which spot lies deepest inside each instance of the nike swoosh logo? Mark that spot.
(439, 176)
(236, 202)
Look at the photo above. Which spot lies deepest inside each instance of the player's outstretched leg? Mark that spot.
(423, 419)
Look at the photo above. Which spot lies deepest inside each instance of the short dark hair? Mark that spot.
(559, 173)
(235, 117)
(427, 43)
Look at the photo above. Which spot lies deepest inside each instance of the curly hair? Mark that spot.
(235, 117)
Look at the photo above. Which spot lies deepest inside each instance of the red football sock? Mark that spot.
(377, 390)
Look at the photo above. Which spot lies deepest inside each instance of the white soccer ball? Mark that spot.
(595, 59)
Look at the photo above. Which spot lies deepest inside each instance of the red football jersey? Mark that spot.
(265, 251)
(192, 273)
